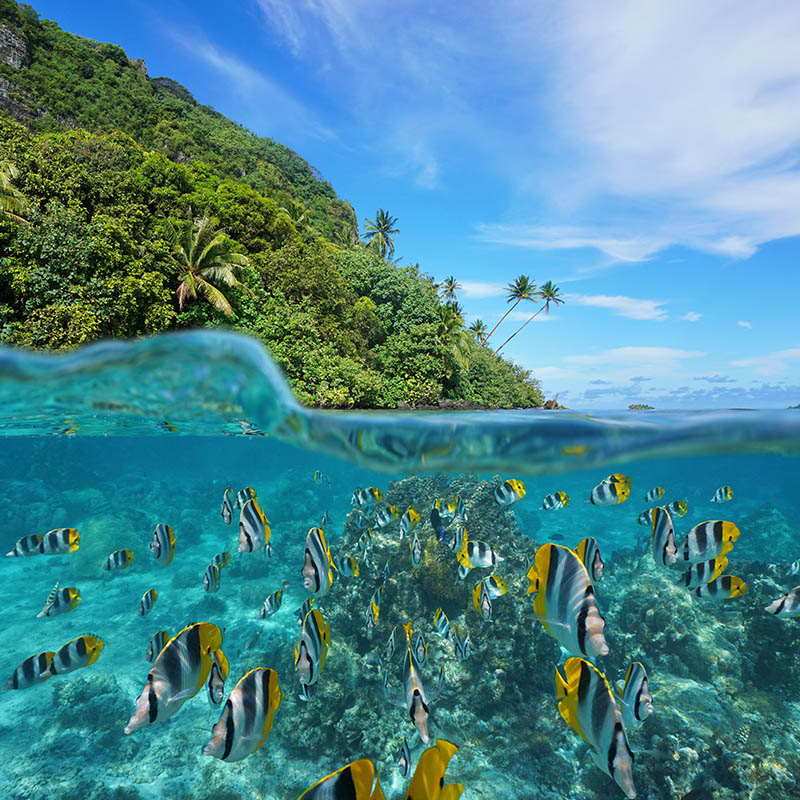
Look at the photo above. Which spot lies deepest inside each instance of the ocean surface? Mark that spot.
(119, 438)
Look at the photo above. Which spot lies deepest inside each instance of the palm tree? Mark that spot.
(448, 288)
(379, 233)
(204, 255)
(12, 201)
(523, 288)
(550, 293)
(451, 335)
(478, 330)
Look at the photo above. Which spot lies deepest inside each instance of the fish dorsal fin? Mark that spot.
(567, 693)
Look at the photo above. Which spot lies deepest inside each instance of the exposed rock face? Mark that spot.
(12, 48)
(12, 101)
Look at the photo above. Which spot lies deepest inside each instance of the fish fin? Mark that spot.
(599, 761)
(439, 686)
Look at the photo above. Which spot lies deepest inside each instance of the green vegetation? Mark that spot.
(640, 407)
(128, 209)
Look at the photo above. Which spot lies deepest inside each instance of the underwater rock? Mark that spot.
(101, 535)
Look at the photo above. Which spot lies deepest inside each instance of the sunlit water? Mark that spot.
(118, 438)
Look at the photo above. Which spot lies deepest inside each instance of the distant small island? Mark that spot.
(640, 407)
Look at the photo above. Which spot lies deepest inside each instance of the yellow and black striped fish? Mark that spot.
(589, 552)
(787, 605)
(374, 610)
(386, 515)
(180, 672)
(243, 495)
(311, 652)
(217, 675)
(26, 546)
(119, 559)
(304, 609)
(703, 572)
(654, 494)
(366, 497)
(408, 521)
(482, 601)
(60, 542)
(60, 601)
(636, 702)
(147, 602)
(555, 501)
(221, 559)
(79, 652)
(441, 623)
(33, 670)
(247, 717)
(156, 645)
(211, 578)
(353, 782)
(163, 545)
(509, 492)
(227, 505)
(318, 565)
(709, 540)
(254, 530)
(610, 493)
(348, 567)
(665, 552)
(722, 495)
(646, 517)
(475, 554)
(271, 604)
(415, 550)
(428, 781)
(723, 588)
(677, 508)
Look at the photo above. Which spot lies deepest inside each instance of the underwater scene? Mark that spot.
(213, 593)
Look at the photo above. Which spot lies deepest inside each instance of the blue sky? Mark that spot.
(642, 155)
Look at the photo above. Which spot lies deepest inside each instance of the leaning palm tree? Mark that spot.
(478, 331)
(451, 335)
(379, 233)
(523, 288)
(204, 257)
(448, 288)
(12, 201)
(550, 293)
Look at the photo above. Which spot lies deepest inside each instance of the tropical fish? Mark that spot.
(386, 571)
(415, 549)
(618, 477)
(221, 559)
(318, 566)
(636, 702)
(33, 670)
(180, 672)
(589, 552)
(217, 675)
(254, 530)
(722, 495)
(271, 604)
(59, 542)
(451, 508)
(353, 782)
(441, 623)
(509, 492)
(247, 717)
(555, 501)
(227, 505)
(458, 538)
(348, 567)
(307, 691)
(60, 601)
(156, 645)
(654, 494)
(390, 646)
(495, 586)
(366, 497)
(374, 610)
(303, 610)
(408, 522)
(565, 602)
(420, 647)
(587, 705)
(610, 493)
(365, 542)
(463, 571)
(79, 652)
(119, 559)
(428, 781)
(677, 508)
(794, 567)
(482, 601)
(26, 546)
(211, 578)
(359, 518)
(386, 516)
(404, 762)
(723, 588)
(311, 652)
(787, 605)
(323, 523)
(243, 495)
(147, 602)
(321, 477)
(437, 523)
(709, 540)
(462, 644)
(665, 551)
(646, 517)
(704, 572)
(163, 545)
(477, 554)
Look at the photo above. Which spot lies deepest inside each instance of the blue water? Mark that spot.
(116, 439)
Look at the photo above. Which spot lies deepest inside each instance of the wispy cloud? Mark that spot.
(630, 307)
(743, 323)
(636, 356)
(691, 316)
(776, 363)
(714, 378)
(482, 289)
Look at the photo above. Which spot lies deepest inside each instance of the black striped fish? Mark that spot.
(79, 652)
(709, 540)
(221, 559)
(353, 782)
(211, 578)
(163, 544)
(365, 542)
(118, 560)
(254, 530)
(247, 717)
(636, 702)
(462, 644)
(386, 516)
(565, 602)
(589, 552)
(311, 652)
(724, 588)
(217, 675)
(366, 497)
(420, 648)
(404, 760)
(441, 623)
(457, 538)
(156, 645)
(654, 494)
(428, 781)
(348, 567)
(408, 521)
(703, 572)
(722, 495)
(60, 601)
(26, 546)
(180, 672)
(227, 505)
(59, 542)
(243, 495)
(587, 705)
(318, 565)
(391, 645)
(477, 554)
(482, 601)
(303, 610)
(611, 491)
(677, 508)
(662, 538)
(555, 501)
(147, 602)
(495, 586)
(271, 604)
(509, 492)
(646, 518)
(415, 550)
(373, 610)
(463, 571)
(33, 670)
(787, 605)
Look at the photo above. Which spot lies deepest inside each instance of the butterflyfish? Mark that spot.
(725, 587)
(722, 495)
(156, 645)
(709, 540)
(147, 602)
(26, 546)
(60, 601)
(636, 702)
(217, 675)
(118, 560)
(787, 605)
(34, 669)
(353, 782)
(311, 652)
(254, 530)
(589, 552)
(79, 652)
(60, 542)
(665, 552)
(555, 501)
(509, 492)
(703, 572)
(318, 565)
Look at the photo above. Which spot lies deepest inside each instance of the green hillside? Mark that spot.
(106, 171)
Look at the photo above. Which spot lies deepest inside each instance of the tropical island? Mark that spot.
(127, 208)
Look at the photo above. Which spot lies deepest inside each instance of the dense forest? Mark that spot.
(127, 208)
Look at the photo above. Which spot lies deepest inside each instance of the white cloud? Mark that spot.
(691, 316)
(482, 289)
(636, 356)
(630, 307)
(743, 323)
(776, 363)
(523, 316)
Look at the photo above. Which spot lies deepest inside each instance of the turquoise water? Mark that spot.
(118, 438)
